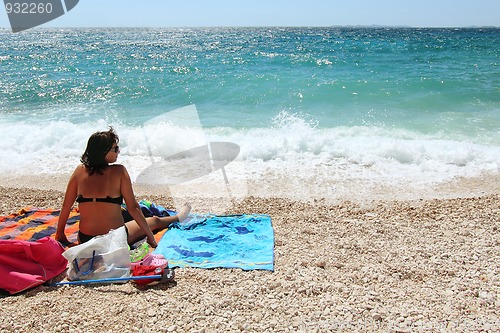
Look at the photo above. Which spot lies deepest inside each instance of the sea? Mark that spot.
(313, 111)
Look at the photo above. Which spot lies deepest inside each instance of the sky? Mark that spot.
(217, 13)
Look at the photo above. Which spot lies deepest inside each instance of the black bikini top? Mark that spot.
(117, 200)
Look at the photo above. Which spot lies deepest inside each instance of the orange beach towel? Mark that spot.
(32, 224)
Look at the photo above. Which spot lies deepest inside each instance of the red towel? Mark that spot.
(27, 264)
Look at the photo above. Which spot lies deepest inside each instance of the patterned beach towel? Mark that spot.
(32, 224)
(209, 241)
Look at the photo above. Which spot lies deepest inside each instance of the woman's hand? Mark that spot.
(61, 238)
(152, 242)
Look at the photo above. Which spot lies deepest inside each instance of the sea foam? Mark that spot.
(290, 145)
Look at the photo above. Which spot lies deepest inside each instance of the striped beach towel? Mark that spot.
(32, 224)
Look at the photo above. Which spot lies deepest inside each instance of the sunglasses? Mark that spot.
(115, 149)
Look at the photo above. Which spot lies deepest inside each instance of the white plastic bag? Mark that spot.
(105, 256)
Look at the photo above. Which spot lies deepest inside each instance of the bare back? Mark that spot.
(97, 218)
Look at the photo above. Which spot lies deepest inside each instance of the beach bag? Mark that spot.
(102, 257)
(27, 264)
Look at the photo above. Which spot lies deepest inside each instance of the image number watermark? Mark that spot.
(28, 14)
(28, 8)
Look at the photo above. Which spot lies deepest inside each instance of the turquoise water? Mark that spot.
(408, 102)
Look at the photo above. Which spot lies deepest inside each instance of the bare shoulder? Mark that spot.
(80, 169)
(118, 169)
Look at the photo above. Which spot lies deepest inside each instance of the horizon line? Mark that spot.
(273, 26)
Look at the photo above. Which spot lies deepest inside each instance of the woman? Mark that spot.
(100, 187)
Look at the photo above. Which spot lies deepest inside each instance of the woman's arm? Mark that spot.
(133, 206)
(69, 200)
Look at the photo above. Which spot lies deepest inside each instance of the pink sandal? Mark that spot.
(151, 259)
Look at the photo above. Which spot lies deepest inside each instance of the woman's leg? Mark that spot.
(135, 233)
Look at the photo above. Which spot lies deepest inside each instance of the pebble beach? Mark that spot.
(421, 265)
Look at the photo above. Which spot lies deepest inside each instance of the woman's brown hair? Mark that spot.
(99, 144)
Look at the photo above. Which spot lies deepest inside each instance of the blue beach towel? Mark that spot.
(210, 241)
